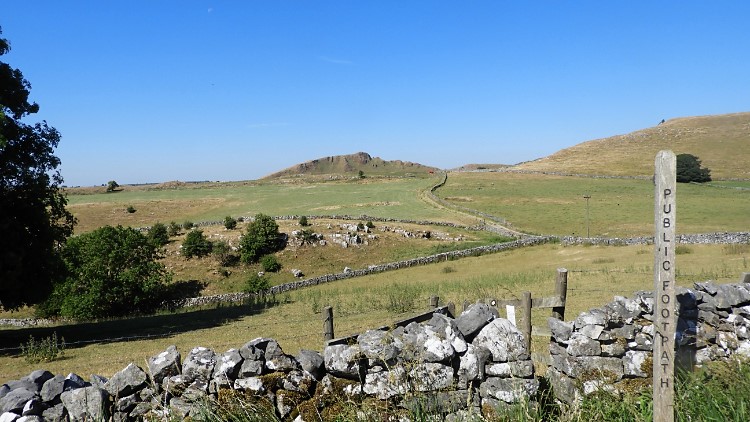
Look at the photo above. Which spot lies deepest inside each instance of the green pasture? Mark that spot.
(395, 198)
(596, 274)
(548, 204)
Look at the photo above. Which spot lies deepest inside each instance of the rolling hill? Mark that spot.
(722, 142)
(350, 166)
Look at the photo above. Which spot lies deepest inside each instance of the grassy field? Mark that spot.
(719, 141)
(547, 204)
(595, 275)
(395, 198)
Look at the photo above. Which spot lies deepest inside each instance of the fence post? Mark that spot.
(526, 328)
(434, 301)
(561, 291)
(327, 323)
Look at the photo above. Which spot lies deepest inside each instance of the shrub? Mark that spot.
(256, 283)
(224, 254)
(112, 185)
(187, 225)
(196, 244)
(44, 350)
(174, 229)
(261, 238)
(689, 169)
(303, 221)
(131, 209)
(370, 225)
(158, 234)
(111, 271)
(230, 223)
(360, 226)
(270, 264)
(305, 236)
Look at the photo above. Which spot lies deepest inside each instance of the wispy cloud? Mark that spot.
(262, 125)
(335, 61)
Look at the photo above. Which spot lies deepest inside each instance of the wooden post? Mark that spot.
(665, 320)
(434, 301)
(526, 327)
(561, 291)
(327, 323)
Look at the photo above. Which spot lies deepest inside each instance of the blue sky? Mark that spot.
(151, 91)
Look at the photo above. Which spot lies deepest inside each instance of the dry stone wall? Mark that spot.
(471, 364)
(453, 367)
(610, 348)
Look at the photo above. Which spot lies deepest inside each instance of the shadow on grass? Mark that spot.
(126, 329)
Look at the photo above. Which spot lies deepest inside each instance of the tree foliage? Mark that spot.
(33, 219)
(230, 223)
(196, 244)
(689, 169)
(159, 234)
(261, 238)
(270, 264)
(112, 185)
(111, 271)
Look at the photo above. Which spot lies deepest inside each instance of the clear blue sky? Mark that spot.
(150, 91)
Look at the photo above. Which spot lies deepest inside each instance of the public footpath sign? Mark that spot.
(665, 320)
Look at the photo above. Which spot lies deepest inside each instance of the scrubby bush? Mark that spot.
(256, 283)
(305, 236)
(261, 238)
(187, 225)
(230, 223)
(270, 264)
(360, 226)
(174, 229)
(303, 221)
(224, 254)
(370, 225)
(111, 271)
(196, 244)
(131, 209)
(158, 234)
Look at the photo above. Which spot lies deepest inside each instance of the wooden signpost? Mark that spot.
(665, 320)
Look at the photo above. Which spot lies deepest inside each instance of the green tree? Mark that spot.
(159, 234)
(303, 221)
(689, 169)
(196, 244)
(111, 271)
(112, 185)
(34, 222)
(261, 238)
(230, 223)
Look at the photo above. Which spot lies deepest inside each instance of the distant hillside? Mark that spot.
(722, 143)
(350, 165)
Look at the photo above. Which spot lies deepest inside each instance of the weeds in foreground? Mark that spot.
(44, 350)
